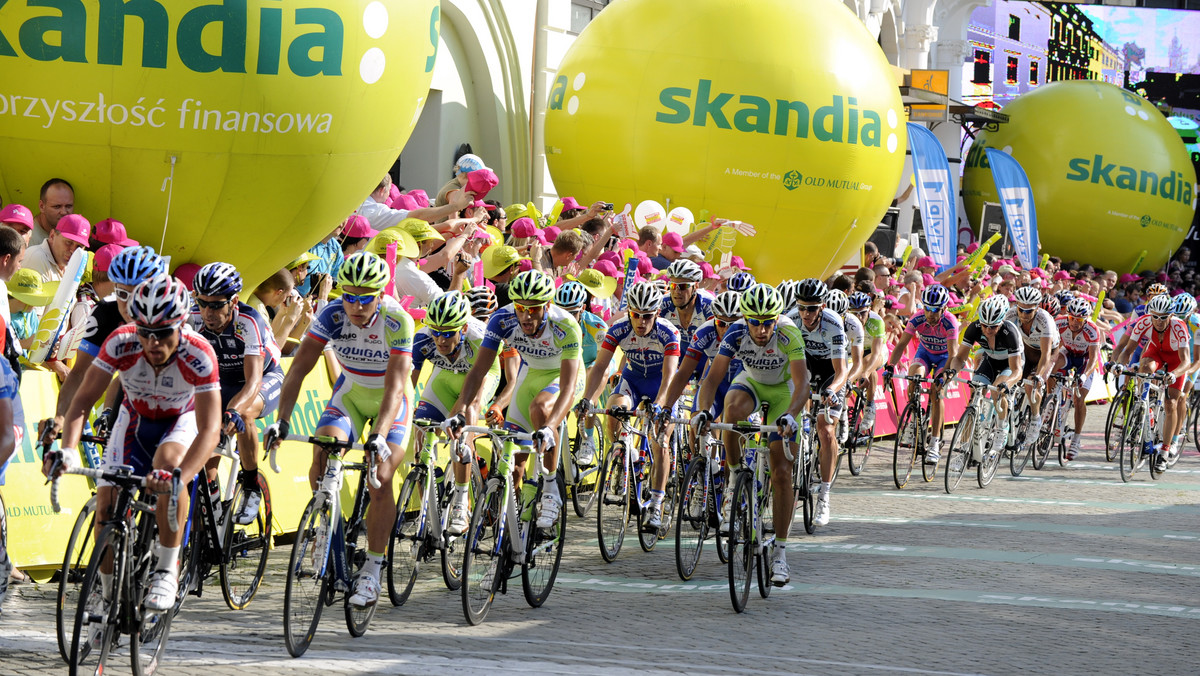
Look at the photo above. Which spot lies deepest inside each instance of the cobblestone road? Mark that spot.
(1064, 571)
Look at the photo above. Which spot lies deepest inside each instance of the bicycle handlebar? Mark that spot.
(122, 479)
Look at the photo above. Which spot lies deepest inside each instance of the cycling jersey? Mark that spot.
(450, 371)
(766, 364)
(855, 334)
(10, 389)
(701, 312)
(1077, 343)
(1173, 339)
(1042, 326)
(363, 351)
(246, 335)
(997, 352)
(873, 328)
(935, 337)
(827, 340)
(559, 339)
(644, 355)
(170, 392)
(104, 319)
(704, 347)
(593, 329)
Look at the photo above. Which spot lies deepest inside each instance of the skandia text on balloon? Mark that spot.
(1172, 186)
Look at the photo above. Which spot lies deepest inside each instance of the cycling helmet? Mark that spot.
(1159, 305)
(728, 304)
(787, 291)
(1183, 305)
(217, 279)
(660, 284)
(160, 301)
(836, 300)
(1079, 307)
(532, 286)
(1064, 297)
(644, 297)
(1052, 305)
(762, 300)
(570, 295)
(363, 269)
(992, 310)
(135, 265)
(811, 290)
(1156, 290)
(1028, 295)
(685, 271)
(740, 281)
(449, 310)
(860, 300)
(483, 302)
(935, 296)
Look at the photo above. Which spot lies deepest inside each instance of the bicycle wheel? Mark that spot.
(483, 553)
(647, 535)
(741, 545)
(1118, 416)
(406, 547)
(100, 630)
(543, 554)
(1194, 420)
(307, 575)
(764, 530)
(1067, 414)
(1020, 456)
(1130, 452)
(928, 469)
(989, 463)
(908, 435)
(960, 449)
(612, 512)
(74, 566)
(453, 545)
(857, 453)
(148, 641)
(358, 618)
(810, 485)
(246, 548)
(691, 527)
(587, 479)
(1041, 448)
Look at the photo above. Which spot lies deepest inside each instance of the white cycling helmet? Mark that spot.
(992, 310)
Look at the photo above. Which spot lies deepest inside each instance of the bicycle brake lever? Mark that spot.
(271, 457)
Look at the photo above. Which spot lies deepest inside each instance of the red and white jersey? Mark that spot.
(1174, 338)
(170, 392)
(1077, 343)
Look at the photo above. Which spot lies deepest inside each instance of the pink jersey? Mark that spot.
(1077, 343)
(937, 337)
(1174, 338)
(170, 392)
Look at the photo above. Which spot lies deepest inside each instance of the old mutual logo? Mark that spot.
(792, 179)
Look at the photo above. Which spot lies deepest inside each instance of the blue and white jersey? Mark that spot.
(364, 351)
(704, 347)
(643, 354)
(559, 339)
(702, 312)
(463, 358)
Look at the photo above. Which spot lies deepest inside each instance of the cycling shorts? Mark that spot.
(1077, 362)
(718, 405)
(634, 386)
(817, 385)
(991, 369)
(1164, 360)
(932, 362)
(351, 406)
(531, 383)
(778, 398)
(442, 390)
(268, 391)
(135, 439)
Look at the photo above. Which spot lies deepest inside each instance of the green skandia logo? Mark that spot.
(841, 121)
(1172, 187)
(792, 180)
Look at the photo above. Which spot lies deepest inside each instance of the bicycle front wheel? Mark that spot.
(612, 512)
(908, 435)
(543, 554)
(483, 554)
(741, 541)
(810, 483)
(585, 489)
(764, 532)
(989, 464)
(857, 453)
(1130, 452)
(74, 567)
(358, 618)
(150, 630)
(960, 449)
(691, 528)
(1020, 456)
(307, 575)
(94, 634)
(246, 548)
(453, 545)
(1114, 427)
(406, 547)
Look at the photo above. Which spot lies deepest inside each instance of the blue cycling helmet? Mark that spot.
(217, 279)
(1183, 306)
(936, 297)
(570, 295)
(740, 282)
(135, 265)
(859, 300)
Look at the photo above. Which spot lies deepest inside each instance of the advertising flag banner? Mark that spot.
(1016, 199)
(935, 194)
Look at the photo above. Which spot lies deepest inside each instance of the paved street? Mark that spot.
(1064, 571)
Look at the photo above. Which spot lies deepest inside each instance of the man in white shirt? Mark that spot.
(50, 258)
(57, 199)
(381, 216)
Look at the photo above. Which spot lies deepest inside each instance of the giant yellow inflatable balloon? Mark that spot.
(1110, 178)
(780, 113)
(248, 128)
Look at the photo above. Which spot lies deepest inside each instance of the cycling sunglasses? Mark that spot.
(685, 286)
(123, 295)
(159, 334)
(363, 299)
(642, 315)
(1026, 310)
(443, 333)
(213, 304)
(527, 307)
(808, 308)
(759, 321)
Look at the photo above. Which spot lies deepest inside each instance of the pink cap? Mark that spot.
(522, 227)
(552, 233)
(1128, 277)
(186, 273)
(707, 269)
(393, 191)
(104, 256)
(420, 196)
(1163, 277)
(612, 256)
(960, 259)
(629, 244)
(1038, 272)
(972, 247)
(645, 267)
(540, 236)
(737, 262)
(75, 228)
(673, 240)
(608, 268)
(925, 262)
(927, 279)
(524, 265)
(481, 181)
(570, 204)
(403, 202)
(358, 226)
(17, 213)
(1061, 275)
(113, 232)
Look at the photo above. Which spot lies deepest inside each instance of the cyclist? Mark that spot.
(1183, 306)
(787, 291)
(572, 297)
(250, 372)
(687, 307)
(739, 282)
(1039, 333)
(825, 352)
(371, 336)
(129, 268)
(703, 349)
(483, 306)
(1081, 343)
(1168, 347)
(874, 355)
(548, 339)
(774, 372)
(936, 330)
(1153, 291)
(837, 301)
(170, 417)
(651, 347)
(450, 341)
(1000, 355)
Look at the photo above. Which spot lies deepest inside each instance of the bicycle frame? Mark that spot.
(506, 544)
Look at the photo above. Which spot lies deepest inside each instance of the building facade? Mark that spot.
(1009, 42)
